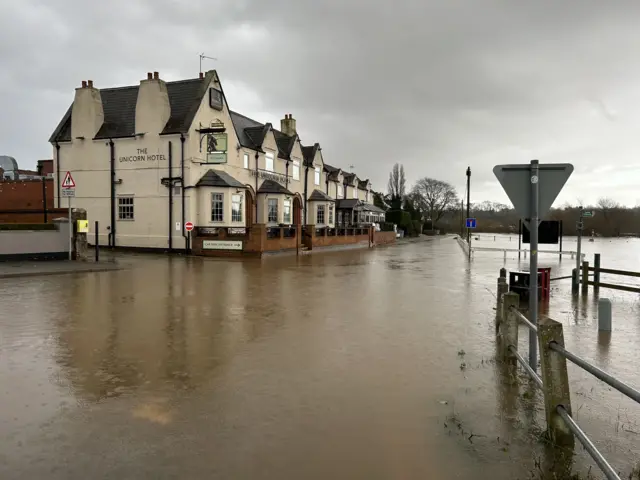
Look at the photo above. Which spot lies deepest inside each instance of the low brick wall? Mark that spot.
(32, 215)
(325, 240)
(255, 242)
(383, 238)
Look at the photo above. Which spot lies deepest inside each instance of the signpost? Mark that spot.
(471, 223)
(69, 190)
(532, 189)
(188, 226)
(579, 228)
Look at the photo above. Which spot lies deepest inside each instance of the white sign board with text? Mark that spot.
(222, 245)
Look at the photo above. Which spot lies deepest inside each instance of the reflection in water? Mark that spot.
(341, 365)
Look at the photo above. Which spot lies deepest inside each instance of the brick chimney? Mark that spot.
(152, 107)
(288, 125)
(87, 114)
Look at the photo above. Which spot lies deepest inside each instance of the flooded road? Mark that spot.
(364, 364)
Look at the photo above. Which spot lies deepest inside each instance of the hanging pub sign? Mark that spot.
(216, 148)
(215, 99)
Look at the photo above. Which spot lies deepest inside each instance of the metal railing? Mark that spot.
(550, 337)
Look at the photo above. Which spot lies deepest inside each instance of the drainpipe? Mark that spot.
(327, 183)
(184, 232)
(58, 170)
(306, 182)
(286, 174)
(112, 166)
(170, 198)
(44, 198)
(257, 156)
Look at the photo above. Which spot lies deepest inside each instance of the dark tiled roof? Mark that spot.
(333, 172)
(349, 178)
(271, 186)
(119, 106)
(285, 144)
(347, 203)
(309, 153)
(362, 184)
(318, 195)
(218, 178)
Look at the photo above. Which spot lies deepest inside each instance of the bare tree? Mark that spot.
(607, 206)
(435, 197)
(396, 186)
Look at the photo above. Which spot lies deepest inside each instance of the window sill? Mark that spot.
(126, 220)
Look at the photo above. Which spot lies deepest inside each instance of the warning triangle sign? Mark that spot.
(68, 182)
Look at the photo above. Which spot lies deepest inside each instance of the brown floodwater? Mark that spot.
(361, 364)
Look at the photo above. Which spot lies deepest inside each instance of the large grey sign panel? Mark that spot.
(516, 181)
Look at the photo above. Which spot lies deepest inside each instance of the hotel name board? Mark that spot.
(142, 156)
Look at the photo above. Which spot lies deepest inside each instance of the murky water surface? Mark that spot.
(370, 364)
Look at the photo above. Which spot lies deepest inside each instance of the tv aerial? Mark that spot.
(203, 57)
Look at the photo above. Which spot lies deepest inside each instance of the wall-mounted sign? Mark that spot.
(222, 244)
(215, 99)
(217, 157)
(237, 231)
(141, 155)
(83, 226)
(267, 175)
(208, 230)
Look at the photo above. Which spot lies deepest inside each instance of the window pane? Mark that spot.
(217, 207)
(287, 211)
(246, 160)
(236, 208)
(317, 176)
(125, 208)
(320, 215)
(269, 161)
(339, 191)
(296, 170)
(330, 213)
(272, 206)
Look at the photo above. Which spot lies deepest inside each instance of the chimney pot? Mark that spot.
(84, 84)
(149, 76)
(201, 75)
(156, 75)
(90, 83)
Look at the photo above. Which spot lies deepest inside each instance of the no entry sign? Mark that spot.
(188, 226)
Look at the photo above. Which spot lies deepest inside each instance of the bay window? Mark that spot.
(217, 207)
(320, 215)
(272, 210)
(287, 212)
(236, 207)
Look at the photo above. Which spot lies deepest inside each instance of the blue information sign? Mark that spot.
(471, 223)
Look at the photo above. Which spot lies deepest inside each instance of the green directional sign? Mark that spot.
(588, 213)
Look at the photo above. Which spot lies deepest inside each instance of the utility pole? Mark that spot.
(579, 227)
(533, 263)
(468, 203)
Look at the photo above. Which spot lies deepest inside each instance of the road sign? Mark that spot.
(516, 181)
(68, 192)
(188, 226)
(471, 223)
(588, 213)
(67, 181)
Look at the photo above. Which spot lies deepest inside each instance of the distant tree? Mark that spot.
(396, 186)
(435, 197)
(606, 206)
(412, 206)
(379, 201)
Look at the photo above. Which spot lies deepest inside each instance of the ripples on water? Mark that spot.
(359, 364)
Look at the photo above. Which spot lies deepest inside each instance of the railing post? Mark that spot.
(509, 328)
(604, 315)
(503, 273)
(502, 289)
(574, 281)
(555, 381)
(596, 272)
(97, 241)
(585, 277)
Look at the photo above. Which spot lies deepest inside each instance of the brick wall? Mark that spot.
(330, 241)
(382, 238)
(21, 201)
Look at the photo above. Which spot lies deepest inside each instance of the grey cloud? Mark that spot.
(434, 85)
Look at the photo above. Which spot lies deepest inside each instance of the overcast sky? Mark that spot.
(434, 85)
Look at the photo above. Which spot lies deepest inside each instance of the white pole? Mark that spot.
(70, 229)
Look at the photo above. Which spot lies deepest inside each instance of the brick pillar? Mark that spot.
(80, 250)
(310, 237)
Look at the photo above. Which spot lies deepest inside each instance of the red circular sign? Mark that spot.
(188, 226)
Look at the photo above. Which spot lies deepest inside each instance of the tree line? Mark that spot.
(433, 204)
